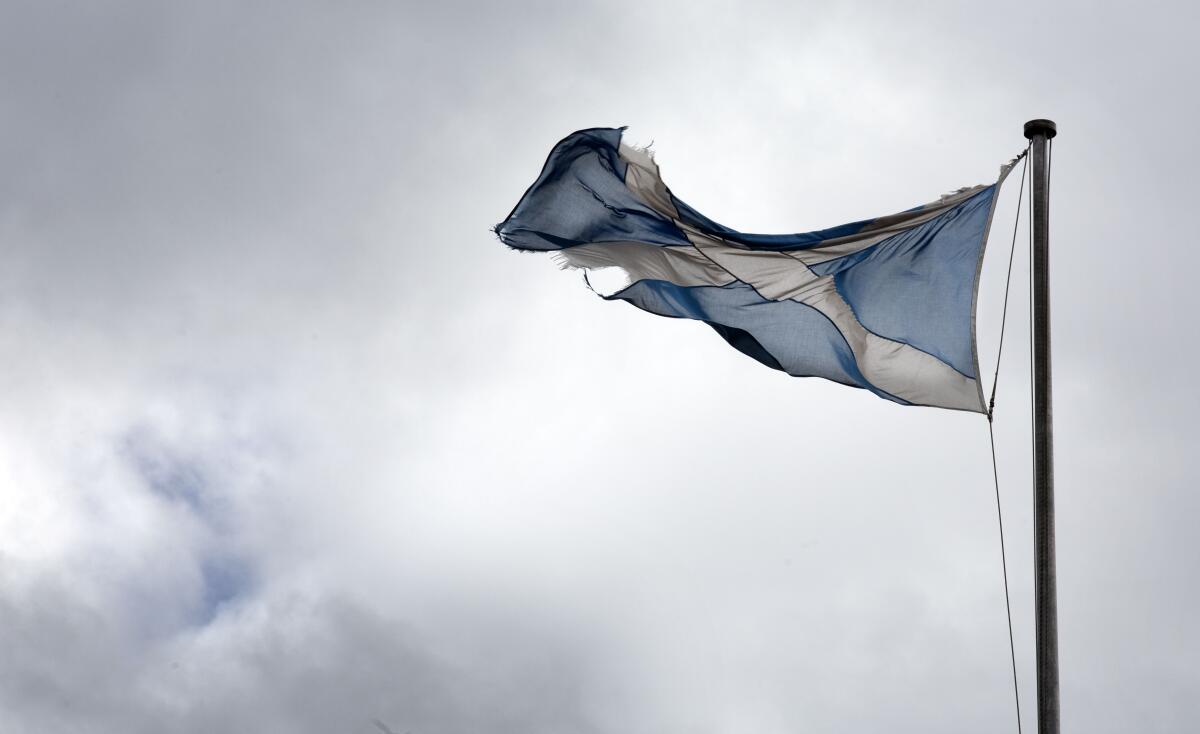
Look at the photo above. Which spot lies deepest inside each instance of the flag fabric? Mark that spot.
(885, 304)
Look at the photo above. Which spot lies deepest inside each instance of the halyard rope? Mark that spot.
(992, 438)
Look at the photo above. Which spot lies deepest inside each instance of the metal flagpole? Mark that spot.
(1039, 133)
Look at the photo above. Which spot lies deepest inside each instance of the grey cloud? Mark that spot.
(282, 664)
(278, 410)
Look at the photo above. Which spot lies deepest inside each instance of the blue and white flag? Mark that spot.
(885, 304)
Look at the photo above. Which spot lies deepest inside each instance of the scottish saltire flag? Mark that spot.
(885, 304)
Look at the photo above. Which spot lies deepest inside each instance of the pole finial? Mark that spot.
(1040, 127)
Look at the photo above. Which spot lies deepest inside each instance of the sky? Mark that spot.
(290, 443)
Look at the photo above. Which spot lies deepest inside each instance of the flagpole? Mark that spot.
(1039, 132)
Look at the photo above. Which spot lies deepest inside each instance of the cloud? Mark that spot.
(286, 663)
(288, 442)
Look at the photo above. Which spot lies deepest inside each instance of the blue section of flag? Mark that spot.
(918, 286)
(784, 335)
(580, 197)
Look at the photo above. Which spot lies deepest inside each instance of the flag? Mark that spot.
(885, 304)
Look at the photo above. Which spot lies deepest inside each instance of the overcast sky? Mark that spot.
(290, 443)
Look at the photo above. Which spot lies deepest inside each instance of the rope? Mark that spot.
(1012, 652)
(1008, 283)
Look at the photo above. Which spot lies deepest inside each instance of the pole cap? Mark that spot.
(1040, 127)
